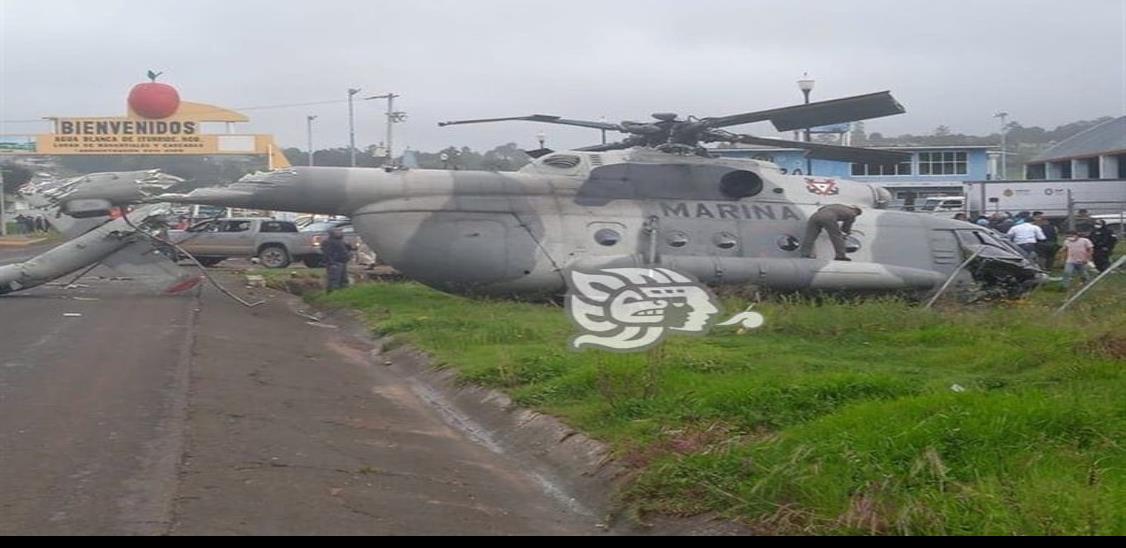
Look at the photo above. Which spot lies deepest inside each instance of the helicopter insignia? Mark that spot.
(825, 187)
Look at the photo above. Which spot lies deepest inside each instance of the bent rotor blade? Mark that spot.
(820, 151)
(542, 118)
(825, 113)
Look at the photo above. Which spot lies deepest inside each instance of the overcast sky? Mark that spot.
(953, 62)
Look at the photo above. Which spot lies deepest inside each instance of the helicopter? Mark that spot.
(656, 198)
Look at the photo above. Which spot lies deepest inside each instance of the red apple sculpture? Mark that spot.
(153, 100)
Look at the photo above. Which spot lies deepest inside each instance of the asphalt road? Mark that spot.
(192, 415)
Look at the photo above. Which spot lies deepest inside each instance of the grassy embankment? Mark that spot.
(876, 417)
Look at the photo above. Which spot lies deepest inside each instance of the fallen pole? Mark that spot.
(1118, 264)
(950, 281)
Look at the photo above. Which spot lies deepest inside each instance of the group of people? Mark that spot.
(1087, 248)
(26, 224)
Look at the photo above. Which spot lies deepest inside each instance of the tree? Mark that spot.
(942, 131)
(15, 176)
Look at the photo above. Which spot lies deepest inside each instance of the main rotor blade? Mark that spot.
(606, 148)
(825, 113)
(820, 151)
(542, 118)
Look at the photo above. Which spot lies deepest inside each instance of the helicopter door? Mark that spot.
(946, 252)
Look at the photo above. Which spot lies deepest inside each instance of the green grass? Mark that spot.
(835, 417)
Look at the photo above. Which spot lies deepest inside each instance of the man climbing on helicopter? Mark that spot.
(837, 221)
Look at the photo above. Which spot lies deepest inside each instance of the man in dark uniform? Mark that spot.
(1105, 241)
(835, 219)
(337, 255)
(1047, 249)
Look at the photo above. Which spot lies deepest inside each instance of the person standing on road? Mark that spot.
(1080, 251)
(1105, 241)
(337, 255)
(835, 219)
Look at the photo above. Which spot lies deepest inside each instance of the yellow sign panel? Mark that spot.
(148, 143)
(180, 134)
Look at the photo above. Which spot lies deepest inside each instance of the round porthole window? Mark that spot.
(607, 237)
(677, 240)
(726, 241)
(740, 184)
(789, 243)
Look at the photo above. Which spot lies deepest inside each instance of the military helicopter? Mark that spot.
(656, 198)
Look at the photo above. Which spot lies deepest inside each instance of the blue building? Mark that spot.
(931, 171)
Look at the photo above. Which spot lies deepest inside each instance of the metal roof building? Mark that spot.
(1098, 153)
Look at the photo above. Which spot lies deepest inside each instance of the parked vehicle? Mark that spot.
(275, 243)
(1051, 197)
(1116, 222)
(944, 206)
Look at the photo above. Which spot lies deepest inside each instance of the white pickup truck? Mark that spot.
(275, 243)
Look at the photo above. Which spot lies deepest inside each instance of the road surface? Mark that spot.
(125, 413)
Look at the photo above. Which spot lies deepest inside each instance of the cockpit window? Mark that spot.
(740, 184)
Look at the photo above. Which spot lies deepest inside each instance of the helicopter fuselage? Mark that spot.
(729, 221)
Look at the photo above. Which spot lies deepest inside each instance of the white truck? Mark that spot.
(1057, 199)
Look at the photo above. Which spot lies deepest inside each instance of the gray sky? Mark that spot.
(953, 62)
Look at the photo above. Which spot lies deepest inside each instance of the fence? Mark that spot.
(1117, 221)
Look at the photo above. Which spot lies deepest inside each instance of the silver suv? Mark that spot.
(275, 243)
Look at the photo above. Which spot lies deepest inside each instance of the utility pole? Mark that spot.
(352, 123)
(3, 207)
(806, 85)
(393, 118)
(309, 119)
(1004, 116)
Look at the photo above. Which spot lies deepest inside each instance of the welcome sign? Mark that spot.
(157, 123)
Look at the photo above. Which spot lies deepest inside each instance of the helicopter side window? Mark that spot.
(741, 184)
(726, 241)
(789, 243)
(607, 237)
(677, 240)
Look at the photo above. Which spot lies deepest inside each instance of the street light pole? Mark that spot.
(3, 207)
(806, 84)
(352, 123)
(1004, 116)
(309, 119)
(392, 119)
